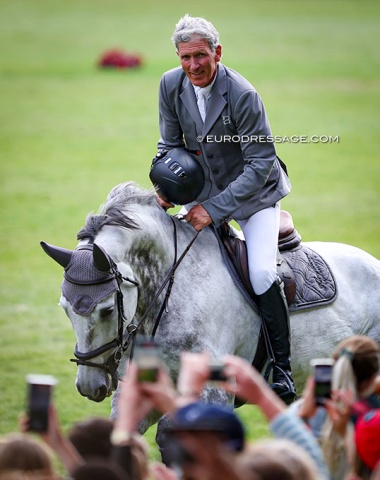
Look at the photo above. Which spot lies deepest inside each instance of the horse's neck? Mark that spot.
(166, 236)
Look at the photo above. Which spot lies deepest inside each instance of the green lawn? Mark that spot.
(69, 132)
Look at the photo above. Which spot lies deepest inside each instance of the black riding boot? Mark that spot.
(274, 313)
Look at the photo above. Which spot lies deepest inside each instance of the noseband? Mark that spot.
(123, 339)
(118, 343)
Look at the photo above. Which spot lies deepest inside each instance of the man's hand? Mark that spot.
(198, 217)
(163, 203)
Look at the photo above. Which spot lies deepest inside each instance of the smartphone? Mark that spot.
(147, 356)
(39, 393)
(217, 373)
(322, 374)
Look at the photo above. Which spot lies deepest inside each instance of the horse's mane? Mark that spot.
(113, 211)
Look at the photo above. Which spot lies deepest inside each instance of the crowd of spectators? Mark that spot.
(339, 440)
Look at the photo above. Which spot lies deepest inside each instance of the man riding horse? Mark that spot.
(216, 158)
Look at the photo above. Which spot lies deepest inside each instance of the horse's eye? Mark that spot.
(105, 312)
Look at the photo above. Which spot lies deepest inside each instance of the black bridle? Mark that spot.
(125, 336)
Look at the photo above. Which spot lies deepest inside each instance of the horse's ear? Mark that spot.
(60, 255)
(101, 260)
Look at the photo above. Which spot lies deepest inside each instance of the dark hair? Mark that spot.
(27, 456)
(92, 437)
(98, 470)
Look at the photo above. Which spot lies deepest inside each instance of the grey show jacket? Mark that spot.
(243, 174)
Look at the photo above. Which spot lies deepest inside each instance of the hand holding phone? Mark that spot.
(147, 356)
(39, 393)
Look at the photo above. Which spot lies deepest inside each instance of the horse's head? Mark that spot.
(100, 298)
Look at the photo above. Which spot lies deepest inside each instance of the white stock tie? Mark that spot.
(201, 101)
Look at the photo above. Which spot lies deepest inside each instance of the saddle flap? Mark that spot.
(237, 252)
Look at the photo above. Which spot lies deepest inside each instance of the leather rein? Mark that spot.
(125, 336)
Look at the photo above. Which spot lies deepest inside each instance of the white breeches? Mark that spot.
(261, 236)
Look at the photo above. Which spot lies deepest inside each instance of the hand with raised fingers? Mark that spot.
(339, 409)
(247, 383)
(194, 373)
(308, 406)
(161, 393)
(133, 406)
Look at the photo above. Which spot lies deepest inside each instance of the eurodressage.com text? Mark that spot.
(269, 139)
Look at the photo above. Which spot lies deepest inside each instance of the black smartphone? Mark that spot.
(147, 356)
(217, 373)
(322, 375)
(39, 393)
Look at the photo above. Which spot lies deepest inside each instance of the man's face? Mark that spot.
(198, 61)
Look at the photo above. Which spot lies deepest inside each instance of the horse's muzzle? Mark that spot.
(93, 385)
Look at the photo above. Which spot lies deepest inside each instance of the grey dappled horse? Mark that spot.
(122, 261)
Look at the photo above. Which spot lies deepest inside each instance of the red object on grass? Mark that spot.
(118, 59)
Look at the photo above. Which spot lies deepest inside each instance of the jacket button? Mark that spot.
(216, 171)
(210, 156)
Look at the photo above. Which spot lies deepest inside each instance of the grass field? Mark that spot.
(69, 132)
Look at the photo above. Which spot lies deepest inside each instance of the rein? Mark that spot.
(169, 279)
(120, 342)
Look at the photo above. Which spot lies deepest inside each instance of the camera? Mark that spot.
(322, 376)
(39, 392)
(147, 356)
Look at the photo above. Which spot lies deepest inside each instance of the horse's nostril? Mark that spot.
(96, 395)
(100, 393)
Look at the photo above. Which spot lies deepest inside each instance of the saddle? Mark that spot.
(308, 280)
(288, 239)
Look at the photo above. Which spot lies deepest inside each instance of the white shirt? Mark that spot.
(203, 94)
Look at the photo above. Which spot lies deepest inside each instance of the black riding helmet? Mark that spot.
(177, 176)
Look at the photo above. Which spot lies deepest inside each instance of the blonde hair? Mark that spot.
(276, 458)
(357, 361)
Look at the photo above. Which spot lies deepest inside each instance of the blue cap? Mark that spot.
(210, 417)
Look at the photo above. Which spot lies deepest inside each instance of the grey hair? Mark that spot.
(189, 27)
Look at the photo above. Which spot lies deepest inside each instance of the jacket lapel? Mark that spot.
(190, 101)
(216, 102)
